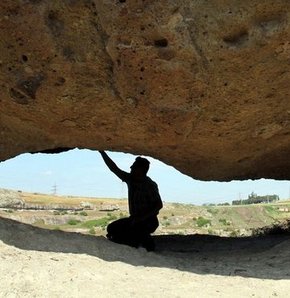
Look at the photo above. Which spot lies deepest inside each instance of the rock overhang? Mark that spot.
(202, 86)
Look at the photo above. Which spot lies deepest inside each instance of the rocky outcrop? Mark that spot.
(200, 85)
(10, 199)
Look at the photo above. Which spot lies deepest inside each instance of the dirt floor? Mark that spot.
(35, 262)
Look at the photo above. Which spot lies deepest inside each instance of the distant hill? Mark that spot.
(91, 215)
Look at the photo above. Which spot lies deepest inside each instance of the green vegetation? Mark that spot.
(73, 222)
(9, 211)
(271, 209)
(210, 232)
(101, 222)
(122, 215)
(224, 222)
(83, 213)
(111, 216)
(234, 233)
(224, 204)
(92, 231)
(201, 221)
(213, 211)
(91, 224)
(57, 212)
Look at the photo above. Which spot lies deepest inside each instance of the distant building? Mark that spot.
(253, 198)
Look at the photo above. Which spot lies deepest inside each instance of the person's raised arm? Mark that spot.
(113, 167)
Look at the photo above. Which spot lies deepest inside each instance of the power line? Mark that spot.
(54, 189)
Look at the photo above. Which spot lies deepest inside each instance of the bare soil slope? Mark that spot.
(36, 262)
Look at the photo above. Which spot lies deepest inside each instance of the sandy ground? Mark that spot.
(42, 263)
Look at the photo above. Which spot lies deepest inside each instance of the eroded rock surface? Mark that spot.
(200, 85)
(10, 199)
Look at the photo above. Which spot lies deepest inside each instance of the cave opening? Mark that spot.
(74, 169)
(78, 177)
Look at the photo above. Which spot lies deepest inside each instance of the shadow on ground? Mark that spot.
(265, 257)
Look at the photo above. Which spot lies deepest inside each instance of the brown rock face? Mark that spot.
(201, 85)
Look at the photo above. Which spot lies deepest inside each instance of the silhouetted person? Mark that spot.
(144, 205)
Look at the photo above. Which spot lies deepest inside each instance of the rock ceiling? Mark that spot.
(201, 85)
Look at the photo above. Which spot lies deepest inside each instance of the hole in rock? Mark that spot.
(24, 58)
(237, 38)
(161, 43)
(78, 183)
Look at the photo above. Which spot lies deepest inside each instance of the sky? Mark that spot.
(83, 173)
